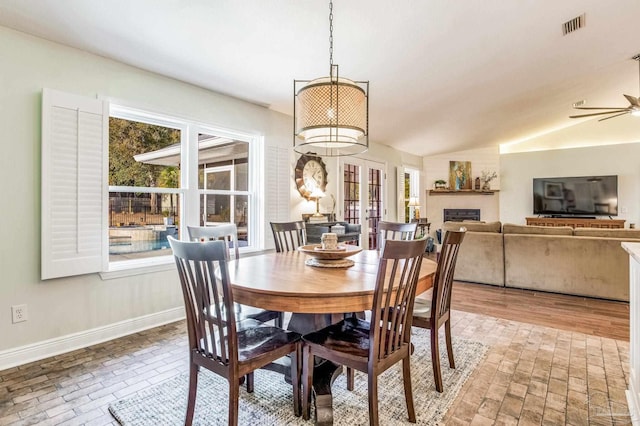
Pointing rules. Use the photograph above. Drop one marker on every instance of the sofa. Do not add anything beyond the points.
(481, 255)
(583, 261)
(315, 230)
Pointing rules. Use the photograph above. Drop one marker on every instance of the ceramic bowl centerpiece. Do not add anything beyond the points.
(329, 254)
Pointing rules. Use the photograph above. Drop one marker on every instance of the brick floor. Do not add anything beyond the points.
(532, 375)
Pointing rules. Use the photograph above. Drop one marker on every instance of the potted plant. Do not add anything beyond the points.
(440, 184)
(167, 219)
(487, 177)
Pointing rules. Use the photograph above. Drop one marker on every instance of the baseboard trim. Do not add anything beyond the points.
(71, 342)
(632, 401)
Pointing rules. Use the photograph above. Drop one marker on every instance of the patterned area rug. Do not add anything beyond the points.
(270, 404)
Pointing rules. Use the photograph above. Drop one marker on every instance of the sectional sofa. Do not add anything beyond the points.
(582, 261)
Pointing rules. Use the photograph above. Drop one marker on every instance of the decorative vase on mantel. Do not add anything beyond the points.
(486, 186)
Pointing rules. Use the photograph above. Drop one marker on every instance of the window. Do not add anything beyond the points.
(150, 183)
(144, 185)
(116, 182)
(223, 181)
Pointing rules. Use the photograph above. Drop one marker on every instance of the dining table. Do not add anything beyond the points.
(315, 296)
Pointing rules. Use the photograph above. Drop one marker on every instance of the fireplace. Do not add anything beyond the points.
(458, 215)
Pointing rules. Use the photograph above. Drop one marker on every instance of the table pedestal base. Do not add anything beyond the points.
(324, 375)
(325, 372)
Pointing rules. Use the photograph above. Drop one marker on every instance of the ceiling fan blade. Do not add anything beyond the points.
(620, 108)
(613, 116)
(632, 100)
(621, 111)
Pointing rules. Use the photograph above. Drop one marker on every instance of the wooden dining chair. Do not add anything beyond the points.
(395, 231)
(373, 347)
(216, 341)
(288, 236)
(437, 312)
(228, 233)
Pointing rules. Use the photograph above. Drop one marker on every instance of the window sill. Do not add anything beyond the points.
(138, 267)
(157, 264)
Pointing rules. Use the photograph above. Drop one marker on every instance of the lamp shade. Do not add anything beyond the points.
(316, 193)
(331, 116)
(414, 202)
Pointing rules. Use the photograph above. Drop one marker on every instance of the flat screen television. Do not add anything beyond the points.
(576, 196)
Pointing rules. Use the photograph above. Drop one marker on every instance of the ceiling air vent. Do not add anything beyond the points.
(573, 24)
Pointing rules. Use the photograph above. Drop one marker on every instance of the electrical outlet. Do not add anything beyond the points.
(18, 313)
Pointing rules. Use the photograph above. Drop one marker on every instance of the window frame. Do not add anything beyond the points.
(189, 191)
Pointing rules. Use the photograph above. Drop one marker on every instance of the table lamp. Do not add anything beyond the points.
(413, 202)
(317, 194)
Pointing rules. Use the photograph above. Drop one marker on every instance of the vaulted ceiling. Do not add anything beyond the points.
(444, 75)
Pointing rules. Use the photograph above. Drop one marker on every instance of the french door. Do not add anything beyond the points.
(363, 191)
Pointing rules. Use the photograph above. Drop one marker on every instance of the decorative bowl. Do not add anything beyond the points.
(322, 258)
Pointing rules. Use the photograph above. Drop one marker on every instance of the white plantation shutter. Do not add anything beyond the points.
(74, 187)
(278, 186)
(400, 194)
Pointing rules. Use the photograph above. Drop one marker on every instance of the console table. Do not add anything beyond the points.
(576, 222)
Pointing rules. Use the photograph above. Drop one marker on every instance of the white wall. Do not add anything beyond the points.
(62, 307)
(65, 313)
(518, 170)
(437, 167)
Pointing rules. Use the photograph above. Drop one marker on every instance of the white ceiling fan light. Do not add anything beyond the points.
(633, 108)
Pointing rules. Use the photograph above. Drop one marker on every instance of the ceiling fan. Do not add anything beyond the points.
(633, 108)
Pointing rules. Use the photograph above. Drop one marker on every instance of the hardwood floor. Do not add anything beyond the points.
(554, 359)
(586, 315)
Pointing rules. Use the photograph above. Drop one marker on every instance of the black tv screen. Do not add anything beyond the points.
(576, 196)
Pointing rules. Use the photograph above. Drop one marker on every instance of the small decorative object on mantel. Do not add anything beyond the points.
(477, 185)
(487, 177)
(440, 184)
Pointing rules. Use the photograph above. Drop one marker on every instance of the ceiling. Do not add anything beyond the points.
(444, 75)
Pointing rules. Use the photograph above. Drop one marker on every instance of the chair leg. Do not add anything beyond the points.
(307, 381)
(250, 382)
(296, 361)
(234, 396)
(408, 392)
(350, 378)
(373, 398)
(447, 333)
(280, 320)
(193, 389)
(435, 359)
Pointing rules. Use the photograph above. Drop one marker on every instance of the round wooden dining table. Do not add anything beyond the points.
(316, 297)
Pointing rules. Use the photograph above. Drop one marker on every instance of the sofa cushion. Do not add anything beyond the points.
(510, 228)
(473, 226)
(583, 266)
(608, 233)
(481, 258)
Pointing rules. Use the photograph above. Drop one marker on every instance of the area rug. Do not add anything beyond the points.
(270, 404)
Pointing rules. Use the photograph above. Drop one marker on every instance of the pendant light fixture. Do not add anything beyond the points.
(331, 114)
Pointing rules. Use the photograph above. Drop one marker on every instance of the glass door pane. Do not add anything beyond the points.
(374, 197)
(363, 201)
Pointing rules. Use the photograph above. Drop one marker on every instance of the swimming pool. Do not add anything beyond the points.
(139, 246)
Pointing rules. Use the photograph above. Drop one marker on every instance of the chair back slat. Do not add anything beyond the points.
(228, 232)
(395, 231)
(204, 278)
(392, 310)
(288, 236)
(443, 279)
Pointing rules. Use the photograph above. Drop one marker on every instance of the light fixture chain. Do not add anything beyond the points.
(330, 33)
